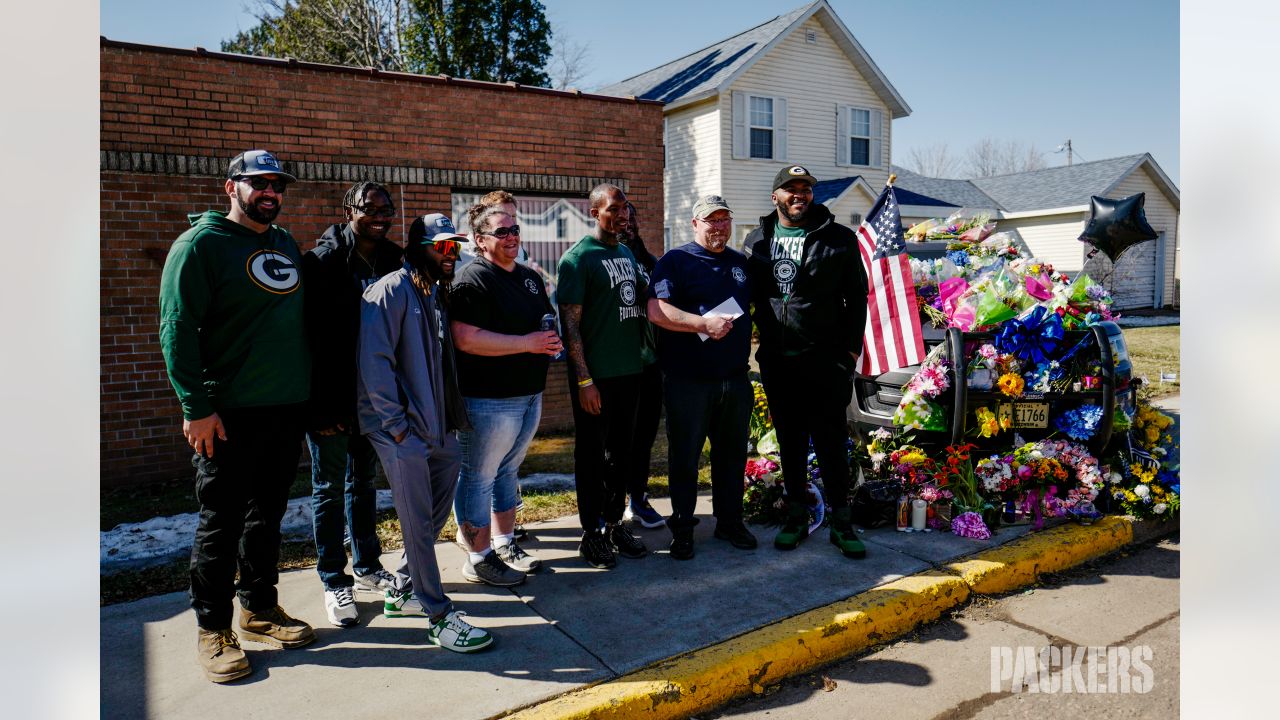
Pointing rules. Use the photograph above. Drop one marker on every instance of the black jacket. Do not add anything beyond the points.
(826, 311)
(334, 277)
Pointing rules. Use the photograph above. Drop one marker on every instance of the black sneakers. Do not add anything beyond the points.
(682, 543)
(624, 543)
(595, 550)
(737, 534)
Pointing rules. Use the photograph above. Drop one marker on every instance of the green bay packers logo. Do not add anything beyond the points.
(273, 271)
(784, 271)
(627, 290)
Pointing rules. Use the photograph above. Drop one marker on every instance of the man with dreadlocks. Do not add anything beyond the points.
(410, 407)
(348, 258)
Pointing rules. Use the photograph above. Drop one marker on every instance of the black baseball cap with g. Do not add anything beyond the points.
(256, 162)
(793, 172)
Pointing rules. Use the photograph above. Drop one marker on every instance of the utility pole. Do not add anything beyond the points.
(1065, 146)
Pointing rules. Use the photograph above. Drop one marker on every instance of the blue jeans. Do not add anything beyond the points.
(492, 451)
(697, 411)
(342, 492)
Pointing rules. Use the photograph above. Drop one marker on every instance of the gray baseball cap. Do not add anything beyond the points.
(433, 227)
(708, 204)
(256, 162)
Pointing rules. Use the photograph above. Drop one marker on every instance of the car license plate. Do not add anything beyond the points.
(1025, 415)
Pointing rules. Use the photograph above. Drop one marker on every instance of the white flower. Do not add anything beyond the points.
(1159, 508)
(1115, 478)
(1142, 491)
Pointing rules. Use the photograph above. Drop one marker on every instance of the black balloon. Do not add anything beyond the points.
(1117, 225)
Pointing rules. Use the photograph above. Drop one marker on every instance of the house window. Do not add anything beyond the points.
(561, 227)
(761, 127)
(811, 37)
(859, 137)
(666, 237)
(855, 220)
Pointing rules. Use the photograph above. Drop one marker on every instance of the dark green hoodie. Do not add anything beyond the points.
(231, 322)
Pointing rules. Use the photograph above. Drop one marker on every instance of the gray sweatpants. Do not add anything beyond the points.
(422, 487)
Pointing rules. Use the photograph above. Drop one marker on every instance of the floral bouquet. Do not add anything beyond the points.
(917, 410)
(761, 422)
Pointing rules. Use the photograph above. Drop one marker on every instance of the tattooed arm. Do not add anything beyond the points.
(589, 396)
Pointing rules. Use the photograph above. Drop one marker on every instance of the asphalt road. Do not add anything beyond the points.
(1128, 603)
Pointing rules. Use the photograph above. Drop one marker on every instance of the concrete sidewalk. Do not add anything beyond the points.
(568, 627)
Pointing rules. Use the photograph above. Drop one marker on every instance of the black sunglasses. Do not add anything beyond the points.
(385, 211)
(261, 183)
(504, 231)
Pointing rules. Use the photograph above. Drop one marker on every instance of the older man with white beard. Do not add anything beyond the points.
(699, 291)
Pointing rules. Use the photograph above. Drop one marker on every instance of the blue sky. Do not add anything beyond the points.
(1102, 73)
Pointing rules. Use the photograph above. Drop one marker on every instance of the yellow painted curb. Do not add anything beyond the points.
(1019, 563)
(709, 677)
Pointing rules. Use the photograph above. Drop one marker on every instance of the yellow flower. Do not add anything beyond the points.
(988, 426)
(1011, 384)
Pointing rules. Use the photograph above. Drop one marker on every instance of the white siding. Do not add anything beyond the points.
(693, 165)
(815, 80)
(1163, 218)
(1053, 239)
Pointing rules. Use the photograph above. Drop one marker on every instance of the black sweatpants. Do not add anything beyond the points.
(604, 448)
(243, 491)
(807, 398)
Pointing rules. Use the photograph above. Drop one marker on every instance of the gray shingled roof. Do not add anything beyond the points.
(1055, 187)
(706, 69)
(961, 193)
(710, 70)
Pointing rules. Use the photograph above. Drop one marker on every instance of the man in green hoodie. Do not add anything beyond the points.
(234, 343)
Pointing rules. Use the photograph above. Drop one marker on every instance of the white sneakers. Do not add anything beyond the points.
(340, 606)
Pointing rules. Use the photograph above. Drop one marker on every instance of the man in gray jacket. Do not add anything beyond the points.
(409, 406)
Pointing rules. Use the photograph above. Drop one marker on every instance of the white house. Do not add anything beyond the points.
(1048, 208)
(798, 89)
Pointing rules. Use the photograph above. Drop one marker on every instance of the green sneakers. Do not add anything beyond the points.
(794, 529)
(844, 536)
(451, 632)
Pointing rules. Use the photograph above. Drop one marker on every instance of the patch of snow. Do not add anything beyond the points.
(132, 546)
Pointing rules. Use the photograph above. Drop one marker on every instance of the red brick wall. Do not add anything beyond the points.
(171, 120)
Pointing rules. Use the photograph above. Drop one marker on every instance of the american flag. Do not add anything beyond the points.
(893, 338)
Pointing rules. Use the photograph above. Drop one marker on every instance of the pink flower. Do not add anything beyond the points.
(970, 525)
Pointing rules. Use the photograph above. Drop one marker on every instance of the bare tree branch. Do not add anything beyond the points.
(569, 62)
(933, 160)
(989, 157)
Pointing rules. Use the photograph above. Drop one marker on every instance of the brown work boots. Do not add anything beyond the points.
(275, 627)
(220, 655)
(219, 651)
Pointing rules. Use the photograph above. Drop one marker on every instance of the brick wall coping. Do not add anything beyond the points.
(371, 71)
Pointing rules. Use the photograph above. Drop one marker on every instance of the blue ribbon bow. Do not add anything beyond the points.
(1033, 338)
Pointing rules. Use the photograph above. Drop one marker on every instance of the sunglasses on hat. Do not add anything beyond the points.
(447, 247)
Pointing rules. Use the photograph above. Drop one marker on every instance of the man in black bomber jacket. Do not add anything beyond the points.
(809, 299)
(348, 258)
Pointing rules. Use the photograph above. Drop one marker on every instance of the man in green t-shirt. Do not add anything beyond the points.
(234, 344)
(601, 293)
